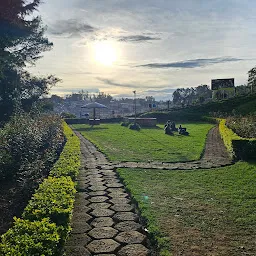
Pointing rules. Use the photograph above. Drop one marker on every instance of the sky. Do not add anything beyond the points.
(151, 46)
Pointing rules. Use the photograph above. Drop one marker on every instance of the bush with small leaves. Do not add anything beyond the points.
(30, 238)
(134, 126)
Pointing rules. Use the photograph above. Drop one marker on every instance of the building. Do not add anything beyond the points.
(223, 88)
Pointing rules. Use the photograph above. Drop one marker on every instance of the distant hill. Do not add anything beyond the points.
(242, 105)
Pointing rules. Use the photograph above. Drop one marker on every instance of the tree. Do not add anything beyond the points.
(21, 42)
(252, 79)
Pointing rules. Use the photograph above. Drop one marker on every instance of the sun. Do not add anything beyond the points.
(105, 53)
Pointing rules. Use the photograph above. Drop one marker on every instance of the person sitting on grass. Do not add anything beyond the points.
(167, 128)
(173, 128)
(183, 130)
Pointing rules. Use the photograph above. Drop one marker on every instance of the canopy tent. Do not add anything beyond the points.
(94, 105)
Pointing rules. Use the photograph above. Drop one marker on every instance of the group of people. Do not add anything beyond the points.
(170, 127)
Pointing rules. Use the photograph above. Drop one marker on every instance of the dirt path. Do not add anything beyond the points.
(215, 155)
(104, 220)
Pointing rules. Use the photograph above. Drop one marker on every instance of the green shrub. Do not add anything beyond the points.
(53, 199)
(30, 145)
(227, 136)
(125, 124)
(245, 149)
(28, 238)
(134, 126)
(52, 203)
(69, 161)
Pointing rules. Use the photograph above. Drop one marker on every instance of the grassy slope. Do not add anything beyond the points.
(199, 212)
(122, 144)
(242, 105)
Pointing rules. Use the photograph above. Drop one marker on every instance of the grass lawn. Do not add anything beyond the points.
(202, 212)
(122, 144)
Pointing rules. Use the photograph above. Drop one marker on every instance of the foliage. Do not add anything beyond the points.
(21, 42)
(188, 96)
(67, 115)
(227, 136)
(53, 199)
(188, 208)
(150, 144)
(125, 124)
(243, 126)
(242, 105)
(134, 126)
(245, 149)
(29, 147)
(69, 160)
(28, 238)
(51, 203)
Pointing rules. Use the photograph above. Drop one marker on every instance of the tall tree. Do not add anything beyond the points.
(21, 42)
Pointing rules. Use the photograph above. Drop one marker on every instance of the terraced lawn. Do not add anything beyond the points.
(149, 144)
(202, 212)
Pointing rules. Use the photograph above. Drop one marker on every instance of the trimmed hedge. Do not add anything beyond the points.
(238, 148)
(69, 161)
(30, 238)
(228, 136)
(46, 219)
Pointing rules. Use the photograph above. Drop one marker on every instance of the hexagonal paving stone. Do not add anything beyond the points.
(123, 216)
(98, 199)
(116, 195)
(81, 216)
(81, 195)
(99, 205)
(105, 254)
(80, 227)
(104, 232)
(102, 212)
(114, 185)
(78, 240)
(81, 208)
(120, 200)
(133, 249)
(82, 187)
(97, 183)
(76, 251)
(98, 193)
(130, 237)
(102, 222)
(97, 188)
(103, 246)
(122, 207)
(128, 226)
(116, 190)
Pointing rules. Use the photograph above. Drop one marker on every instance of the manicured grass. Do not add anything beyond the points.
(202, 212)
(122, 144)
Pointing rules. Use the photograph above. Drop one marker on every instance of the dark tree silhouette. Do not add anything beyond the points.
(21, 42)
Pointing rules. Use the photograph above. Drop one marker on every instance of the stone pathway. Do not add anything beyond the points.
(105, 221)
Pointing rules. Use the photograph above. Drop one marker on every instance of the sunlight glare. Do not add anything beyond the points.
(105, 53)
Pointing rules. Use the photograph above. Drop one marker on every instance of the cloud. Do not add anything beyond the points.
(137, 38)
(70, 28)
(196, 63)
(113, 83)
